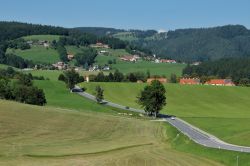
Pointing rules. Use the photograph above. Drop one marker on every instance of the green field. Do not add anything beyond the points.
(155, 69)
(49, 38)
(72, 130)
(32, 135)
(140, 66)
(3, 66)
(37, 54)
(222, 111)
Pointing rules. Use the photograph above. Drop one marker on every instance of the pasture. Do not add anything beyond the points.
(37, 54)
(33, 135)
(49, 38)
(222, 111)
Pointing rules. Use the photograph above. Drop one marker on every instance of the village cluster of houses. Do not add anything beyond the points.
(196, 81)
(130, 58)
(44, 43)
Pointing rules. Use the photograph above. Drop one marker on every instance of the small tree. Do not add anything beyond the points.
(152, 98)
(99, 94)
(61, 77)
(71, 78)
(173, 78)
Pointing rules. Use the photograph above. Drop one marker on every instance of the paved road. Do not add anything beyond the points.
(195, 134)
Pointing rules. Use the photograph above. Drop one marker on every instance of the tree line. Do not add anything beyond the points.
(19, 87)
(236, 68)
(118, 76)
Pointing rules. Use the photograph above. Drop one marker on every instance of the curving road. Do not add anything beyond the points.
(194, 133)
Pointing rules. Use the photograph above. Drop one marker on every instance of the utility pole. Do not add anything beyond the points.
(237, 160)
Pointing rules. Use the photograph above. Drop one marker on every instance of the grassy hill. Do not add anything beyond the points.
(49, 38)
(3, 66)
(37, 54)
(195, 44)
(72, 130)
(142, 66)
(222, 111)
(33, 135)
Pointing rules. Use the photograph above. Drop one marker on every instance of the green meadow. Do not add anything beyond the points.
(49, 38)
(37, 54)
(222, 111)
(162, 69)
(32, 135)
(72, 130)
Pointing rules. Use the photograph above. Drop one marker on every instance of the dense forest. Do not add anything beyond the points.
(13, 30)
(199, 44)
(236, 68)
(187, 45)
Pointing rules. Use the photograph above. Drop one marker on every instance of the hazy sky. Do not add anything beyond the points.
(128, 14)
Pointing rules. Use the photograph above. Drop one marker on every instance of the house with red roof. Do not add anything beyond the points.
(167, 61)
(220, 82)
(189, 81)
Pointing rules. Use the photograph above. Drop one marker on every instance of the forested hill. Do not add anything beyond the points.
(236, 68)
(200, 44)
(13, 30)
(99, 31)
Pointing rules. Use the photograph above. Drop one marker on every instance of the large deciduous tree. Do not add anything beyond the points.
(152, 98)
(86, 57)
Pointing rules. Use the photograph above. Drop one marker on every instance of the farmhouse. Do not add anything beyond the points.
(196, 63)
(189, 81)
(60, 65)
(103, 52)
(106, 68)
(220, 82)
(167, 61)
(162, 80)
(157, 61)
(130, 58)
(99, 45)
(70, 56)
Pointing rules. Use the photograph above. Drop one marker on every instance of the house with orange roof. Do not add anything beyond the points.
(220, 82)
(189, 81)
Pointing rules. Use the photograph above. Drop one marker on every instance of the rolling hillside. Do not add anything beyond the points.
(198, 44)
(33, 135)
(222, 111)
(38, 53)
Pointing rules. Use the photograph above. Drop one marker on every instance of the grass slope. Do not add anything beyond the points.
(3, 66)
(37, 54)
(155, 69)
(142, 66)
(49, 38)
(32, 135)
(222, 111)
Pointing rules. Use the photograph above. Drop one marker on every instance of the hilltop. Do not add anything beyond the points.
(191, 44)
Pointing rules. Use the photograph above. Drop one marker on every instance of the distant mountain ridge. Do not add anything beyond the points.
(188, 45)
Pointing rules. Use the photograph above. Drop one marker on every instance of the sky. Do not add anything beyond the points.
(128, 14)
